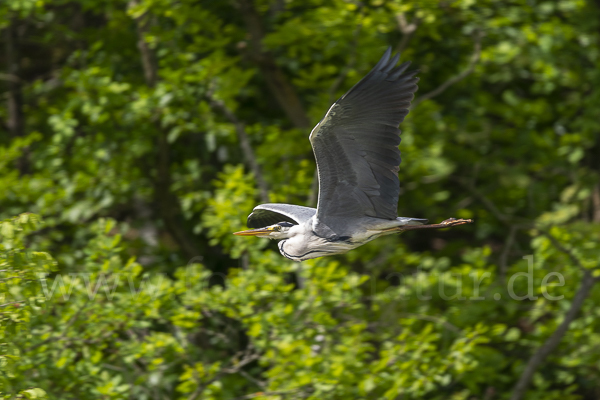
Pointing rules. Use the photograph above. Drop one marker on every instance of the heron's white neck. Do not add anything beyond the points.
(303, 244)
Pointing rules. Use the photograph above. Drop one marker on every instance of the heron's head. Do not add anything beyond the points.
(278, 231)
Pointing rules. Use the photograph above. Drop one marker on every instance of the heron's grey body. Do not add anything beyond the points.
(356, 149)
(301, 242)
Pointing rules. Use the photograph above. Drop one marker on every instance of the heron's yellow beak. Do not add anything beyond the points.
(255, 232)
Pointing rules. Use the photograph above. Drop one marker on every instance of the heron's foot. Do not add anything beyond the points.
(456, 222)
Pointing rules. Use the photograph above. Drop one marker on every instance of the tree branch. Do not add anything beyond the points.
(247, 357)
(432, 318)
(267, 394)
(245, 145)
(486, 202)
(471, 67)
(282, 90)
(563, 249)
(507, 246)
(63, 336)
(596, 204)
(407, 29)
(351, 59)
(250, 378)
(148, 58)
(9, 78)
(15, 122)
(168, 204)
(12, 303)
(587, 282)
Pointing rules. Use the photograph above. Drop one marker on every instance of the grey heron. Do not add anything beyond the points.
(356, 149)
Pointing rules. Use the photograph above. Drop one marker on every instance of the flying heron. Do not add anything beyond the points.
(356, 148)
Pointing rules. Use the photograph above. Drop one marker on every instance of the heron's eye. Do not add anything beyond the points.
(278, 228)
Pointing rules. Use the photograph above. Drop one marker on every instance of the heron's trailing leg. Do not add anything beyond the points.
(450, 222)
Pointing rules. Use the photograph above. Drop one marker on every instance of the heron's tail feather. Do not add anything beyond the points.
(411, 221)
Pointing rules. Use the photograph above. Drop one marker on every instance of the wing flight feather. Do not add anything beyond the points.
(356, 147)
(272, 213)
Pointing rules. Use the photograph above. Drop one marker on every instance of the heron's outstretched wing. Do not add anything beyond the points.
(270, 214)
(356, 146)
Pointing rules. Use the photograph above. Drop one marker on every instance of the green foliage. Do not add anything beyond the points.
(141, 180)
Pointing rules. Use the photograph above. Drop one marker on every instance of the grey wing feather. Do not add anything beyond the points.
(272, 213)
(356, 146)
